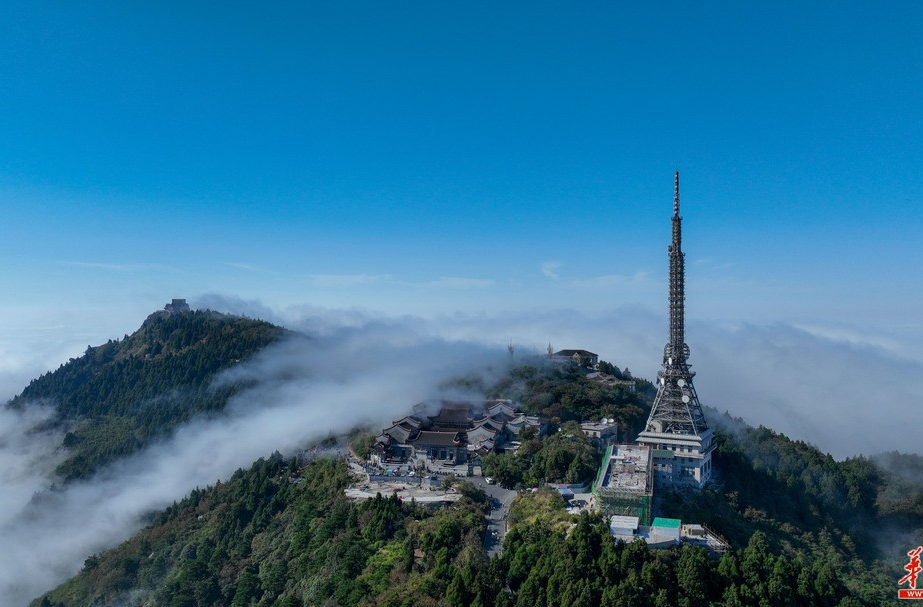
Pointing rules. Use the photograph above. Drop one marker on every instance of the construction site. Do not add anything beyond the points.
(624, 485)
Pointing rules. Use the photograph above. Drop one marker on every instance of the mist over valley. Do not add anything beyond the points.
(337, 370)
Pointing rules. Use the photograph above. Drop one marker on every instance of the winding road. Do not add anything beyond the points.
(496, 524)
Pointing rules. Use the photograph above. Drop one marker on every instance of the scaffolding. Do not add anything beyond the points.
(624, 485)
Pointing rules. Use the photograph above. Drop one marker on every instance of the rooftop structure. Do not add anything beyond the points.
(662, 533)
(623, 527)
(176, 306)
(399, 433)
(453, 415)
(459, 432)
(439, 439)
(666, 532)
(676, 428)
(581, 358)
(442, 445)
(624, 484)
(600, 433)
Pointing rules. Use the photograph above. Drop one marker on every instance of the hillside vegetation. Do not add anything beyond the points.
(115, 398)
(856, 518)
(563, 395)
(805, 530)
(279, 536)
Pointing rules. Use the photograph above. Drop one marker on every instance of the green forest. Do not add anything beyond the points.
(847, 516)
(281, 535)
(804, 528)
(563, 395)
(119, 396)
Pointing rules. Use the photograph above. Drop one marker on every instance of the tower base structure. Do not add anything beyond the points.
(680, 460)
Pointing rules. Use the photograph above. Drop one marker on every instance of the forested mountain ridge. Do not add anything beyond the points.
(805, 529)
(852, 517)
(116, 397)
(279, 535)
(839, 516)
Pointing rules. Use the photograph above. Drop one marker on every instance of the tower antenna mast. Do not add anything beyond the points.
(676, 421)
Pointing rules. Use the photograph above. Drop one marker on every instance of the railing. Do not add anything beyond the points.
(724, 543)
(408, 480)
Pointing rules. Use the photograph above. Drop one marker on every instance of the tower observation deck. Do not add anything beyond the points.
(676, 429)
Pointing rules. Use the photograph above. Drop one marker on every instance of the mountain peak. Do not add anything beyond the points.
(176, 306)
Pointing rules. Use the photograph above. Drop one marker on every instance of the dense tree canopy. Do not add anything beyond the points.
(279, 535)
(804, 528)
(118, 396)
(562, 393)
(566, 456)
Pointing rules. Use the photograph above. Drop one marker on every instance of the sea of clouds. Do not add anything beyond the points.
(305, 389)
(849, 391)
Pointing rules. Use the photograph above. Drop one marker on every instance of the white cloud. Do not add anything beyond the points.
(846, 389)
(845, 397)
(231, 304)
(348, 280)
(24, 357)
(607, 281)
(128, 268)
(550, 269)
(306, 388)
(458, 282)
(249, 267)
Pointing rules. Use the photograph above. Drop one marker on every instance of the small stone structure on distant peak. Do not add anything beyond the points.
(177, 306)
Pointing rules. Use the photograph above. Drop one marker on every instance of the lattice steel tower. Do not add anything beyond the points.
(676, 428)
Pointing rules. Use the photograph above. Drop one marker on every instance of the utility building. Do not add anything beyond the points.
(679, 437)
(624, 486)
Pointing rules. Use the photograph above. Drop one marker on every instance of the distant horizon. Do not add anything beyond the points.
(485, 173)
(726, 357)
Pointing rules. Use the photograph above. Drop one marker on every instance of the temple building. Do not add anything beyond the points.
(459, 432)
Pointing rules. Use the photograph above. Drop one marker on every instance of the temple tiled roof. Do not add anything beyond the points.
(437, 439)
(481, 434)
(409, 421)
(399, 433)
(487, 422)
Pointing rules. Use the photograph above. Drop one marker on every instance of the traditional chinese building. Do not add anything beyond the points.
(459, 432)
(581, 358)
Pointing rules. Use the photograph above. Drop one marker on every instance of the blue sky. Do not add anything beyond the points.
(420, 183)
(440, 159)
